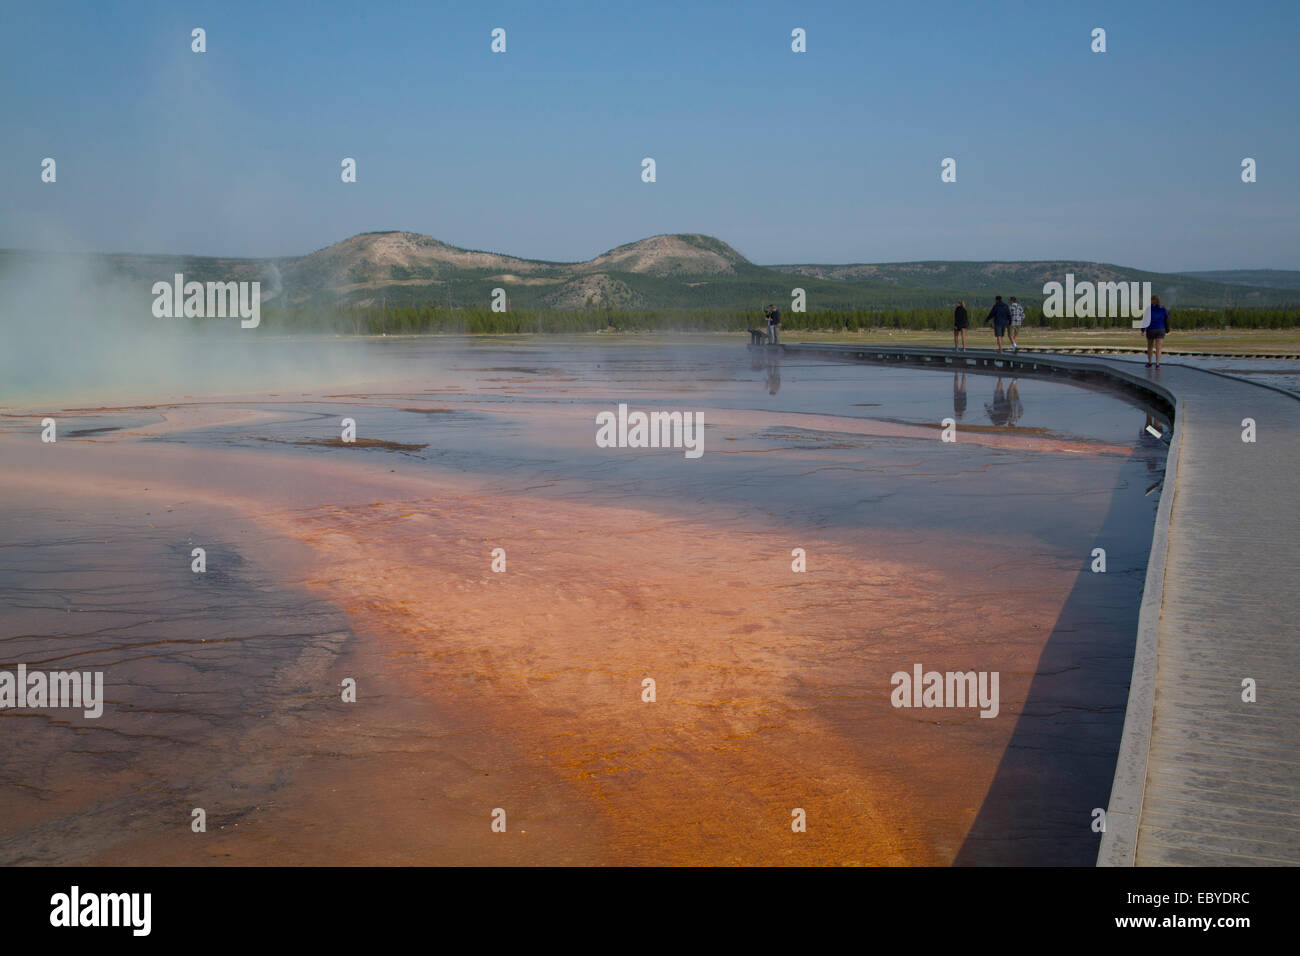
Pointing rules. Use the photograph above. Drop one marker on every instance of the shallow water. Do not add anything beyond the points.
(523, 689)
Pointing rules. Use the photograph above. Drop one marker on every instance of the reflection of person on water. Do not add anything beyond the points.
(773, 376)
(1000, 410)
(958, 395)
(1013, 397)
(1153, 435)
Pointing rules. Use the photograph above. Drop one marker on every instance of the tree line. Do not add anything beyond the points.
(408, 320)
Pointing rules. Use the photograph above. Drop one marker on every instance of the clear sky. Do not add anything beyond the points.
(1132, 156)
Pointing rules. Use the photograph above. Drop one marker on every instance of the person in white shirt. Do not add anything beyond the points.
(1017, 320)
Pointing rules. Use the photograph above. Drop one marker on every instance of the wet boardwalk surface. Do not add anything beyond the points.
(1208, 772)
(1223, 775)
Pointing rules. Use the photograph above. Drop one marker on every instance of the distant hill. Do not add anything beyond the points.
(678, 271)
(679, 255)
(403, 268)
(1026, 280)
(1264, 278)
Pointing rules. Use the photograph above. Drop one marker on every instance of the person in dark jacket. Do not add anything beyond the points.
(773, 324)
(1001, 316)
(960, 323)
(1156, 328)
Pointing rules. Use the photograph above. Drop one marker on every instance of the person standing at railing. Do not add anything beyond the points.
(773, 324)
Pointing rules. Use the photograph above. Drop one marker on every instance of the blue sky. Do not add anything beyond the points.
(1132, 156)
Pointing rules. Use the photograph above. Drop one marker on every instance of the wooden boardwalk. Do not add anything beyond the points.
(1204, 778)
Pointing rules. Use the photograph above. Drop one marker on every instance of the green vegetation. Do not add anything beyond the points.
(411, 319)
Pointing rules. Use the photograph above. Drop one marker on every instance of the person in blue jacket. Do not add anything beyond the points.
(1156, 329)
(1001, 316)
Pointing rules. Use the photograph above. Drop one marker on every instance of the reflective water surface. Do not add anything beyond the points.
(524, 689)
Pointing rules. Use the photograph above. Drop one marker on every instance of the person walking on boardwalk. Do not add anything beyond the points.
(1001, 317)
(1017, 320)
(1157, 326)
(773, 324)
(960, 323)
